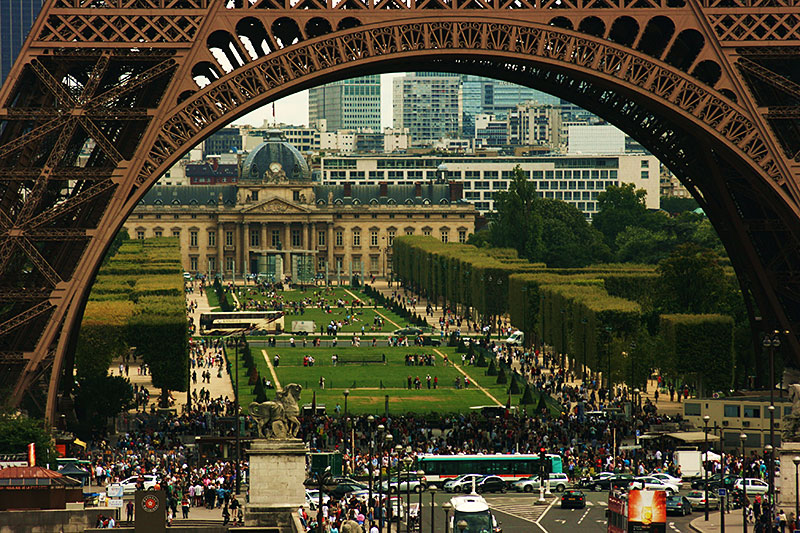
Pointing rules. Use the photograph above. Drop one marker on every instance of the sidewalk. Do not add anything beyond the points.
(733, 522)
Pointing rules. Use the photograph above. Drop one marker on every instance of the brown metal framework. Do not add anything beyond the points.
(711, 87)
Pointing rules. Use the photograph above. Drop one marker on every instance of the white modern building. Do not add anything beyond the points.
(576, 179)
(349, 104)
(595, 139)
(427, 105)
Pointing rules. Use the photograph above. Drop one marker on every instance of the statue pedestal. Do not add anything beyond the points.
(277, 472)
(786, 497)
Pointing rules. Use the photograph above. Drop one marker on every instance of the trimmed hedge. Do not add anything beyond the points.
(693, 344)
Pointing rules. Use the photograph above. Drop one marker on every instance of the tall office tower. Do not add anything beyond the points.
(16, 19)
(347, 105)
(477, 96)
(428, 105)
(507, 96)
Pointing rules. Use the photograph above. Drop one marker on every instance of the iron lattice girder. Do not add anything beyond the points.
(142, 122)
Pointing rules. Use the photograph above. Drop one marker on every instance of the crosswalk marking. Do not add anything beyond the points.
(522, 508)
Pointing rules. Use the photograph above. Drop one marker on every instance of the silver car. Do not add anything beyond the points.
(462, 483)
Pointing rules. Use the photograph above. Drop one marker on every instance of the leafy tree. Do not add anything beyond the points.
(492, 371)
(516, 222)
(514, 388)
(502, 379)
(259, 391)
(527, 396)
(16, 432)
(618, 208)
(116, 393)
(481, 239)
(691, 280)
(640, 245)
(568, 239)
(672, 204)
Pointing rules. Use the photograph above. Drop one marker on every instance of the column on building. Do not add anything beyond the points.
(220, 247)
(304, 243)
(264, 245)
(245, 249)
(287, 246)
(329, 245)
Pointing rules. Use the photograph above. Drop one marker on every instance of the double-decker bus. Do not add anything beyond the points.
(510, 467)
(637, 511)
(240, 320)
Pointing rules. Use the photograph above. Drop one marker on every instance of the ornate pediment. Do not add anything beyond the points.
(275, 205)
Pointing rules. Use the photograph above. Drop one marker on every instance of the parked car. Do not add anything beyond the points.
(679, 505)
(715, 481)
(343, 488)
(129, 485)
(672, 480)
(558, 483)
(653, 483)
(617, 481)
(462, 483)
(409, 331)
(312, 498)
(491, 484)
(698, 500)
(414, 484)
(574, 499)
(751, 486)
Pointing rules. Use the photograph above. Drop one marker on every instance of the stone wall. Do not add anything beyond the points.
(50, 520)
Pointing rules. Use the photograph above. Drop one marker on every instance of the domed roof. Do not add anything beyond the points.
(275, 160)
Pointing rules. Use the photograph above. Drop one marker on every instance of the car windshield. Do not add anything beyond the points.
(674, 499)
(695, 494)
(480, 522)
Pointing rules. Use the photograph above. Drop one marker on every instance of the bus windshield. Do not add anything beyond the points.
(477, 522)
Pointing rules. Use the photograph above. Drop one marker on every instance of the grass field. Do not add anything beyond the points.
(362, 317)
(370, 383)
(315, 293)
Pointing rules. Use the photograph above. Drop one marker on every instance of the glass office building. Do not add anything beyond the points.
(16, 19)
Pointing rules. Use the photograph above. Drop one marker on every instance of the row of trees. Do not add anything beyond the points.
(137, 301)
(622, 316)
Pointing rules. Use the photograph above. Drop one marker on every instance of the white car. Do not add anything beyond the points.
(754, 486)
(312, 498)
(462, 483)
(672, 480)
(129, 485)
(415, 484)
(698, 500)
(558, 483)
(653, 483)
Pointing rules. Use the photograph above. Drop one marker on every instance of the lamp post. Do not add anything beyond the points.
(371, 422)
(768, 451)
(583, 374)
(462, 525)
(796, 461)
(446, 506)
(772, 341)
(238, 425)
(322, 479)
(346, 394)
(432, 489)
(743, 438)
(706, 418)
(407, 461)
(385, 508)
(398, 449)
(420, 473)
(637, 398)
(633, 364)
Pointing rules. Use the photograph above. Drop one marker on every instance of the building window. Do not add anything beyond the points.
(391, 237)
(158, 217)
(255, 237)
(356, 237)
(409, 231)
(731, 411)
(356, 264)
(339, 236)
(645, 163)
(296, 238)
(321, 238)
(229, 263)
(321, 264)
(339, 264)
(254, 195)
(193, 242)
(176, 233)
(373, 237)
(445, 235)
(212, 238)
(462, 236)
(229, 238)
(212, 264)
(276, 238)
(193, 264)
(296, 196)
(373, 263)
(426, 232)
(140, 234)
(645, 174)
(751, 411)
(691, 409)
(158, 233)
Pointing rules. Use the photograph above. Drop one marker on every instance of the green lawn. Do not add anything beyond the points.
(370, 383)
(315, 293)
(362, 317)
(213, 301)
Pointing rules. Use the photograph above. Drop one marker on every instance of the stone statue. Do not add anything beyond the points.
(351, 526)
(278, 419)
(791, 422)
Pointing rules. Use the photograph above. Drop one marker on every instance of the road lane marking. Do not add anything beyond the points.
(584, 516)
(539, 520)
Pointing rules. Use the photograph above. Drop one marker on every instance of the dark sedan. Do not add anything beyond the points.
(491, 484)
(573, 499)
(618, 481)
(678, 505)
(343, 488)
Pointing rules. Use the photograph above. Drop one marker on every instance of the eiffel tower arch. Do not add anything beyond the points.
(712, 87)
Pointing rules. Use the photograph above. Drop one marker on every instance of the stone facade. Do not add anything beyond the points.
(277, 472)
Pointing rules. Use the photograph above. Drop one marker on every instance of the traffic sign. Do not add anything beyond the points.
(722, 492)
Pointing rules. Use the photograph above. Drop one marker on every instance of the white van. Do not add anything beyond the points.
(516, 339)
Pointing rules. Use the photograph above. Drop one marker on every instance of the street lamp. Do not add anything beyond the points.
(706, 418)
(370, 422)
(743, 438)
(768, 450)
(398, 449)
(462, 525)
(420, 474)
(432, 489)
(346, 394)
(406, 461)
(772, 341)
(238, 425)
(796, 461)
(446, 507)
(385, 509)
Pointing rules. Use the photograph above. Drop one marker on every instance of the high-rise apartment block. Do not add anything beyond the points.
(428, 105)
(16, 20)
(346, 105)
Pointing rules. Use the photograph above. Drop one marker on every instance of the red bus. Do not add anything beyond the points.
(637, 511)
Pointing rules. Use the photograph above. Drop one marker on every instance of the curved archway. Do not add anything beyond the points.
(691, 121)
